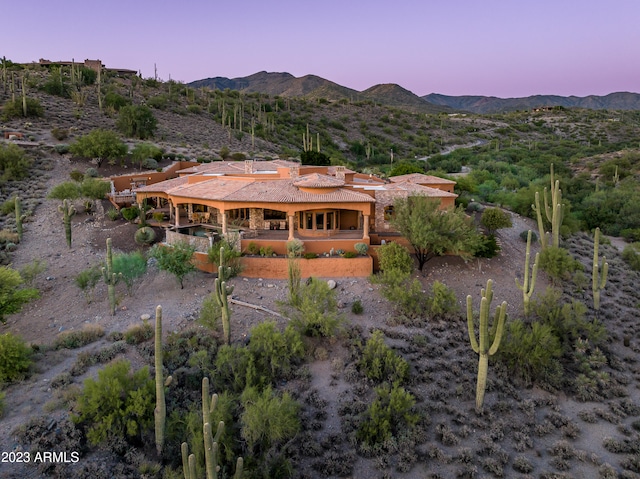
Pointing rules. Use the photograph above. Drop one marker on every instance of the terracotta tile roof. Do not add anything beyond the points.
(234, 167)
(316, 180)
(418, 189)
(220, 188)
(420, 178)
(163, 186)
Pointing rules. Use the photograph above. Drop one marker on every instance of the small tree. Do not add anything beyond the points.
(136, 121)
(494, 219)
(12, 295)
(129, 266)
(433, 232)
(143, 151)
(100, 145)
(177, 259)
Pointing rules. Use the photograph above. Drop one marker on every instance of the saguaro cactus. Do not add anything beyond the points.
(160, 412)
(528, 284)
(598, 272)
(553, 212)
(221, 291)
(110, 278)
(482, 347)
(19, 217)
(68, 210)
(211, 448)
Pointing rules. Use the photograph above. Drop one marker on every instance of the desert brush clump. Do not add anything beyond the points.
(76, 339)
(380, 363)
(15, 358)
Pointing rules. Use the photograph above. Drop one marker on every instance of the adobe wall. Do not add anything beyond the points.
(276, 268)
(123, 182)
(314, 246)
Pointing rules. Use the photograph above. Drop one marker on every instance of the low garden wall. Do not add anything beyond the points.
(332, 267)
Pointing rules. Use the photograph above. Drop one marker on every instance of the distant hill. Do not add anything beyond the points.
(390, 94)
(313, 87)
(492, 104)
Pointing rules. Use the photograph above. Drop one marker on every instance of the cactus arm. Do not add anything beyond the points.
(192, 466)
(501, 314)
(160, 412)
(472, 333)
(239, 468)
(541, 232)
(184, 449)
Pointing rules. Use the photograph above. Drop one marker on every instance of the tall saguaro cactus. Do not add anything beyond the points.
(19, 217)
(528, 284)
(553, 211)
(160, 412)
(481, 346)
(68, 210)
(110, 278)
(211, 445)
(221, 291)
(598, 272)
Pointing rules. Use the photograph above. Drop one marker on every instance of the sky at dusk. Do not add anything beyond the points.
(504, 48)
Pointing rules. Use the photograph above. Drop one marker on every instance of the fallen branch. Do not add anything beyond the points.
(258, 307)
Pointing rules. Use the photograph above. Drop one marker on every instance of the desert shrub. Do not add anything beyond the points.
(91, 173)
(130, 213)
(308, 255)
(487, 247)
(12, 293)
(275, 353)
(210, 312)
(389, 414)
(61, 149)
(115, 101)
(60, 133)
(76, 175)
(144, 235)
(631, 234)
(524, 235)
(356, 307)
(69, 190)
(76, 339)
(380, 363)
(532, 352)
(361, 248)
(253, 248)
(13, 109)
(631, 255)
(94, 188)
(149, 164)
(138, 333)
(9, 206)
(394, 256)
(231, 258)
(136, 121)
(557, 263)
(2, 396)
(232, 367)
(316, 313)
(87, 280)
(15, 358)
(129, 266)
(30, 271)
(266, 251)
(175, 259)
(494, 219)
(118, 404)
(99, 144)
(405, 293)
(268, 418)
(350, 254)
(295, 247)
(113, 214)
(441, 301)
(14, 163)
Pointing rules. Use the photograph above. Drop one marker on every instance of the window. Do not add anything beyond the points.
(330, 225)
(388, 212)
(319, 221)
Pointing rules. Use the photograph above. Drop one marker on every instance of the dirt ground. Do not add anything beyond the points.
(63, 307)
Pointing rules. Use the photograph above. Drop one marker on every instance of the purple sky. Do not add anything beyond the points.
(504, 48)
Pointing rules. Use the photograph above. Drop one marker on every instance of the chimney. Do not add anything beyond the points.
(294, 171)
(248, 166)
(340, 172)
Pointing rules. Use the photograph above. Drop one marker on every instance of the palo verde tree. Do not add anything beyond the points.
(432, 231)
(177, 259)
(99, 145)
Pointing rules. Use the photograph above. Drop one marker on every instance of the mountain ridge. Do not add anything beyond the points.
(315, 87)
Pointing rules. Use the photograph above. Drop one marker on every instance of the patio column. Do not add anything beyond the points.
(291, 225)
(177, 213)
(224, 222)
(365, 228)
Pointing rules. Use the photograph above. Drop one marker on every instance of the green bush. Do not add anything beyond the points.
(295, 247)
(390, 414)
(275, 353)
(14, 163)
(99, 144)
(149, 164)
(94, 188)
(316, 312)
(138, 333)
(268, 418)
(210, 312)
(309, 255)
(13, 109)
(350, 254)
(113, 214)
(136, 121)
(532, 352)
(494, 219)
(91, 173)
(129, 266)
(442, 302)
(175, 259)
(231, 257)
(30, 271)
(67, 190)
(2, 396)
(87, 280)
(394, 256)
(631, 255)
(380, 363)
(60, 133)
(266, 251)
(115, 101)
(76, 339)
(558, 263)
(361, 248)
(233, 371)
(356, 307)
(405, 293)
(76, 175)
(130, 213)
(253, 248)
(12, 293)
(487, 247)
(118, 404)
(15, 358)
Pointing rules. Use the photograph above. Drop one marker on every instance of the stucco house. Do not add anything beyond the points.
(267, 203)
